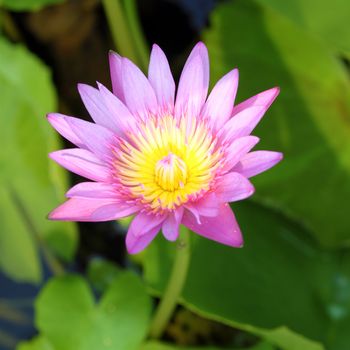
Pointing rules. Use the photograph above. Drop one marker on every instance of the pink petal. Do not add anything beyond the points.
(139, 94)
(238, 149)
(221, 99)
(161, 79)
(93, 190)
(114, 211)
(97, 138)
(171, 224)
(264, 99)
(83, 163)
(223, 228)
(115, 64)
(257, 162)
(59, 123)
(104, 107)
(194, 82)
(206, 206)
(201, 50)
(142, 230)
(135, 244)
(234, 187)
(92, 209)
(242, 124)
(119, 112)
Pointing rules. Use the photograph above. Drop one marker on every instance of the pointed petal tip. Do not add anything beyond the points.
(254, 140)
(277, 89)
(235, 72)
(200, 45)
(50, 116)
(113, 54)
(156, 47)
(272, 94)
(83, 87)
(53, 155)
(54, 215)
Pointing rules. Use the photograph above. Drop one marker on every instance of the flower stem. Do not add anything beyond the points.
(141, 46)
(175, 286)
(119, 29)
(124, 24)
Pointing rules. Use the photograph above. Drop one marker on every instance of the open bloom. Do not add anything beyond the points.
(168, 160)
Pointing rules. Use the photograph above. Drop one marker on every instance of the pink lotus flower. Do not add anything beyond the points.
(168, 160)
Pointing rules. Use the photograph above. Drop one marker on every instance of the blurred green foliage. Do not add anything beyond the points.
(160, 346)
(27, 5)
(67, 316)
(30, 184)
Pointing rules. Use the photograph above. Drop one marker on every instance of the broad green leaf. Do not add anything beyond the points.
(38, 343)
(27, 5)
(309, 121)
(279, 279)
(102, 273)
(66, 314)
(315, 16)
(162, 346)
(30, 184)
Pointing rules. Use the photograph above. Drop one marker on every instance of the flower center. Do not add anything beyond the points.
(166, 162)
(171, 172)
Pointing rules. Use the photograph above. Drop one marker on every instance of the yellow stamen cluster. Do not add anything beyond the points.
(166, 162)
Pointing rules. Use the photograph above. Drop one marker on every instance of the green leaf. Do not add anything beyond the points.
(161, 346)
(314, 16)
(309, 121)
(67, 315)
(27, 5)
(38, 343)
(279, 279)
(30, 184)
(102, 273)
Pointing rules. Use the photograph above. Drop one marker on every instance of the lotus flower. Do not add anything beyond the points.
(168, 160)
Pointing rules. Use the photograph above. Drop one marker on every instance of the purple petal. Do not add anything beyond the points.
(242, 124)
(135, 244)
(201, 50)
(222, 228)
(257, 162)
(171, 224)
(206, 206)
(59, 123)
(104, 107)
(114, 211)
(93, 190)
(194, 82)
(97, 138)
(161, 79)
(92, 209)
(118, 111)
(264, 99)
(115, 64)
(221, 99)
(139, 95)
(83, 163)
(142, 230)
(238, 149)
(234, 187)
